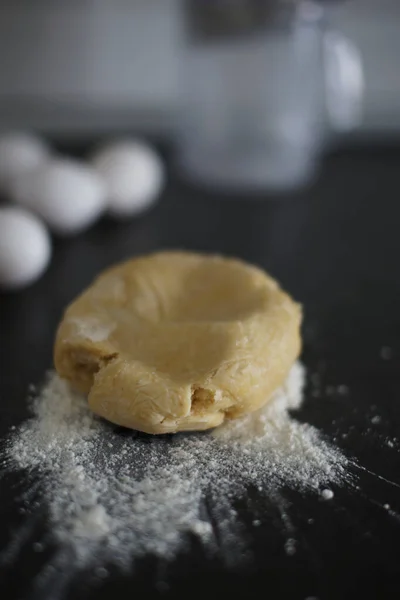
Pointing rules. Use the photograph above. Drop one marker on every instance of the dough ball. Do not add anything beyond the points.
(133, 174)
(69, 195)
(25, 247)
(19, 153)
(178, 341)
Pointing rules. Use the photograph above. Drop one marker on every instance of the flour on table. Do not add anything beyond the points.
(119, 495)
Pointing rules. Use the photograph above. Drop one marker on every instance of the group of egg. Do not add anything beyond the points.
(67, 196)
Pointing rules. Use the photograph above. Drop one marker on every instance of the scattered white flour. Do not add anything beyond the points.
(327, 494)
(118, 495)
(318, 390)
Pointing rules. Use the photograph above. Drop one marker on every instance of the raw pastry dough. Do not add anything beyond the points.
(178, 341)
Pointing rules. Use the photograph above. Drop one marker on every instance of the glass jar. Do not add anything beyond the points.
(264, 84)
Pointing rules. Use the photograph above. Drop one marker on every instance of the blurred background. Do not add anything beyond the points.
(89, 65)
(240, 96)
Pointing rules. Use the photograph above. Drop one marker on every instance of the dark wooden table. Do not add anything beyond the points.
(336, 247)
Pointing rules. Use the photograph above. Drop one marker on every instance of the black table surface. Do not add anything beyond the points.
(336, 248)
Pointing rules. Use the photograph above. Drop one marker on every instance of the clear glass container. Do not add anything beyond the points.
(264, 84)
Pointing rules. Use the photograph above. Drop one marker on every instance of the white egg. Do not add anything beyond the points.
(19, 153)
(25, 247)
(69, 195)
(134, 176)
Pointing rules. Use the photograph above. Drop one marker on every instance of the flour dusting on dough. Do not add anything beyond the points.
(92, 329)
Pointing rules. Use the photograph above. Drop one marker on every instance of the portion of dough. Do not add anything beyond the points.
(178, 341)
